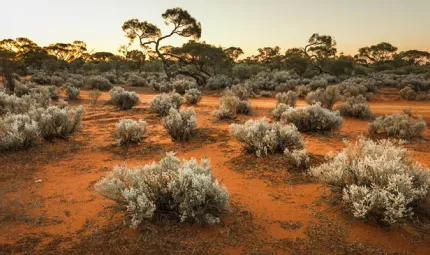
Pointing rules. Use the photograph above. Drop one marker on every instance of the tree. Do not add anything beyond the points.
(68, 52)
(137, 57)
(319, 49)
(148, 34)
(295, 59)
(7, 68)
(377, 54)
(415, 57)
(270, 57)
(26, 51)
(198, 60)
(234, 53)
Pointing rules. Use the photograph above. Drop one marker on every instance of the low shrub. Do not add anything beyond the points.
(185, 190)
(288, 98)
(356, 107)
(17, 131)
(327, 98)
(297, 158)
(244, 107)
(72, 92)
(77, 82)
(94, 96)
(122, 99)
(219, 81)
(99, 82)
(129, 131)
(376, 180)
(193, 96)
(181, 125)
(55, 122)
(407, 93)
(258, 136)
(41, 78)
(242, 91)
(303, 90)
(227, 107)
(57, 81)
(136, 80)
(318, 83)
(182, 85)
(162, 103)
(266, 94)
(279, 110)
(161, 86)
(398, 126)
(313, 118)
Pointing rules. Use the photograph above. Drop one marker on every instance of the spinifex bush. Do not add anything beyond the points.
(193, 96)
(227, 107)
(259, 136)
(17, 131)
(376, 179)
(313, 118)
(355, 107)
(181, 125)
(398, 126)
(185, 190)
(327, 98)
(55, 122)
(162, 103)
(72, 92)
(129, 131)
(122, 99)
(289, 98)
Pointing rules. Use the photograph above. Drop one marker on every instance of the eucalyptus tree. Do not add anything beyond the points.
(319, 49)
(377, 54)
(148, 34)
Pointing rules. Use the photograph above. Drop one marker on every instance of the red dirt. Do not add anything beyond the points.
(273, 211)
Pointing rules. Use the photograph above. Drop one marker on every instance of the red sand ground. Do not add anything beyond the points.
(273, 211)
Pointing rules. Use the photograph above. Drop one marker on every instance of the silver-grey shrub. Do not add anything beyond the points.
(219, 81)
(181, 125)
(326, 97)
(193, 96)
(289, 98)
(129, 131)
(408, 93)
(122, 99)
(17, 131)
(185, 190)
(244, 107)
(55, 122)
(72, 92)
(376, 180)
(356, 107)
(279, 110)
(136, 80)
(398, 126)
(261, 137)
(313, 118)
(162, 103)
(227, 107)
(99, 82)
(182, 85)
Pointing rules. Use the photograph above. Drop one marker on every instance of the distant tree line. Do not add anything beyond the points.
(201, 60)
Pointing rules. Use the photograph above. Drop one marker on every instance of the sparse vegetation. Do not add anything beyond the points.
(162, 103)
(129, 131)
(185, 190)
(181, 125)
(122, 99)
(397, 125)
(376, 180)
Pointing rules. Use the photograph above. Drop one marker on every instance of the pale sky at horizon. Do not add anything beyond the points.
(248, 24)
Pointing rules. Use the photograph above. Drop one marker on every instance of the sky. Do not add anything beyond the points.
(249, 24)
